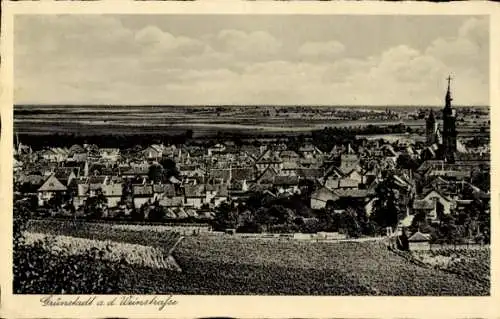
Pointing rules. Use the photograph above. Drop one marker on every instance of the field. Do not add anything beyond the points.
(230, 265)
(203, 121)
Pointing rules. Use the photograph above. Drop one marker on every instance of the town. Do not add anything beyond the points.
(433, 190)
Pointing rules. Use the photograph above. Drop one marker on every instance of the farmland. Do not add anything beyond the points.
(208, 120)
(229, 265)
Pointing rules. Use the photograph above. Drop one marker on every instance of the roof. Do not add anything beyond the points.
(354, 193)
(286, 180)
(324, 194)
(419, 237)
(52, 184)
(423, 204)
(76, 148)
(267, 176)
(348, 182)
(289, 154)
(32, 179)
(112, 190)
(181, 213)
(97, 179)
(306, 148)
(163, 188)
(290, 165)
(174, 201)
(194, 191)
(142, 190)
(312, 173)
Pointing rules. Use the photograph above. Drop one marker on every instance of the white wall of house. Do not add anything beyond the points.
(139, 201)
(113, 201)
(195, 202)
(317, 204)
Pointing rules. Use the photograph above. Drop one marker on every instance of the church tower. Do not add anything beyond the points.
(431, 129)
(449, 128)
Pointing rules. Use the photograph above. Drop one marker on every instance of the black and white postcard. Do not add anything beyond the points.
(256, 160)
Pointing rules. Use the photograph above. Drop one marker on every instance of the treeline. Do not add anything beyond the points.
(324, 139)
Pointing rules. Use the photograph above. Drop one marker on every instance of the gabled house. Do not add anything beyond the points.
(434, 204)
(153, 152)
(50, 188)
(267, 176)
(321, 197)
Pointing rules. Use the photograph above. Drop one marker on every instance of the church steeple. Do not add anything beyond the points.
(449, 127)
(430, 128)
(448, 97)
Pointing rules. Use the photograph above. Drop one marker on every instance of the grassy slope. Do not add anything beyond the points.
(244, 266)
(230, 265)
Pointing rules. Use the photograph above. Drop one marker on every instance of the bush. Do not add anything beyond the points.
(37, 270)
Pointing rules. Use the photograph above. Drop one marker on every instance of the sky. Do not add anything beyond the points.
(250, 59)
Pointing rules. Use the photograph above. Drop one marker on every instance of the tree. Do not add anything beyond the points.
(448, 230)
(157, 213)
(386, 205)
(155, 173)
(349, 223)
(94, 206)
(225, 217)
(169, 168)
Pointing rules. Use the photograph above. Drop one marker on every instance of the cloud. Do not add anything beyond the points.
(327, 49)
(97, 59)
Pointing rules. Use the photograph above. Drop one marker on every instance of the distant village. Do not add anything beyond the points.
(185, 183)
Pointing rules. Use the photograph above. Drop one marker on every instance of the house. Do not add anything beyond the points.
(419, 241)
(194, 195)
(110, 154)
(55, 154)
(321, 197)
(267, 177)
(142, 194)
(50, 188)
(29, 184)
(81, 192)
(96, 183)
(273, 162)
(348, 163)
(65, 175)
(289, 155)
(191, 170)
(153, 152)
(289, 168)
(311, 174)
(113, 193)
(433, 205)
(348, 183)
(288, 184)
(218, 148)
(171, 197)
(309, 151)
